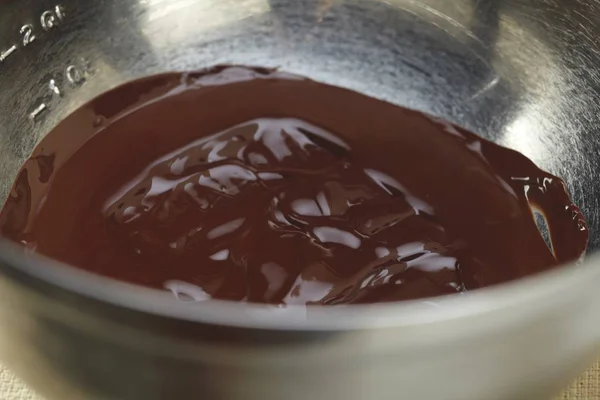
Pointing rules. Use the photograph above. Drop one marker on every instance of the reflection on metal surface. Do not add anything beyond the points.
(517, 136)
(535, 129)
(176, 23)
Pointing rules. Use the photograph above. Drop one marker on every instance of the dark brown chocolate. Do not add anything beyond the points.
(253, 185)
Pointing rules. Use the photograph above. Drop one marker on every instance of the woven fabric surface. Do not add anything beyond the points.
(587, 387)
(12, 388)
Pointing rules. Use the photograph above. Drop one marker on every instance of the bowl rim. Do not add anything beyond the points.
(513, 301)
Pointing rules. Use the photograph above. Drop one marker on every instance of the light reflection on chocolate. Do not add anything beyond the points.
(253, 185)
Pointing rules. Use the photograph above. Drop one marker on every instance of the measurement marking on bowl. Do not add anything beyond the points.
(38, 111)
(52, 18)
(73, 76)
(54, 88)
(7, 53)
(28, 36)
(48, 20)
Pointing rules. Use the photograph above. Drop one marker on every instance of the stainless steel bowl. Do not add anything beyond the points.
(525, 73)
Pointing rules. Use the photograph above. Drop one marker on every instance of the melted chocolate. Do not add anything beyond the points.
(253, 185)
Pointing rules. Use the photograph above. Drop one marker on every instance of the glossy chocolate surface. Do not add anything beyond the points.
(253, 185)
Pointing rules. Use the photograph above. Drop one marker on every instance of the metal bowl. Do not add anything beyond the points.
(524, 73)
